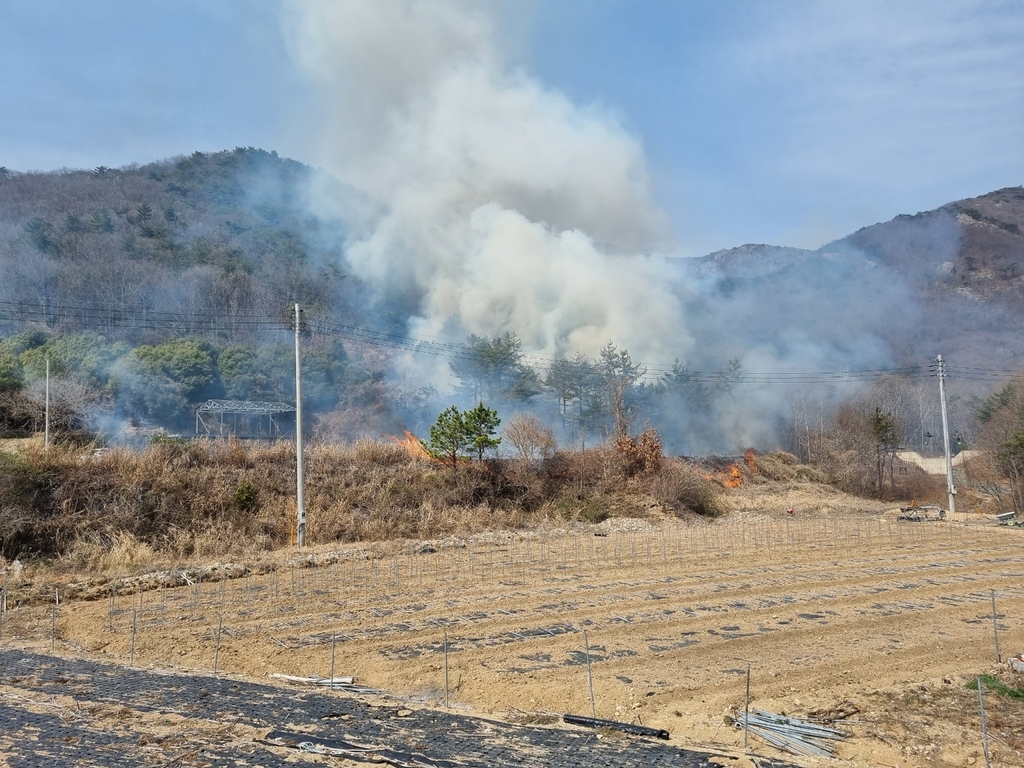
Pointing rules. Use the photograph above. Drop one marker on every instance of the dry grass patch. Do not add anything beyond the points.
(184, 499)
(901, 718)
(179, 501)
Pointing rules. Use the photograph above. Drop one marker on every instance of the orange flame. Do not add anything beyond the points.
(751, 461)
(730, 478)
(734, 478)
(413, 445)
(418, 450)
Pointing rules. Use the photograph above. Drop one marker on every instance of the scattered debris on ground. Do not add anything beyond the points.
(635, 730)
(361, 753)
(922, 513)
(334, 683)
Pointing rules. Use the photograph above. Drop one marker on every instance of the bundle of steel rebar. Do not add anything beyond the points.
(798, 737)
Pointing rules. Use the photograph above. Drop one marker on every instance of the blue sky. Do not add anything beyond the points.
(781, 122)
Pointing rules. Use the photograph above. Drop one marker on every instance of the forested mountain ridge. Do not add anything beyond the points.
(947, 281)
(228, 231)
(152, 288)
(975, 245)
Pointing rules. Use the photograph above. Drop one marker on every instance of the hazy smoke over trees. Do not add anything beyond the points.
(508, 208)
(469, 211)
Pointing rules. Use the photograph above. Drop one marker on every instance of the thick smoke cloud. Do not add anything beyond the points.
(507, 207)
(504, 207)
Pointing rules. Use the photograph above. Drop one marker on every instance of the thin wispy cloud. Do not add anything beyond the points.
(787, 122)
(910, 104)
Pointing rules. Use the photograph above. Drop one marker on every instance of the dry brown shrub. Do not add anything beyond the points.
(20, 414)
(594, 470)
(919, 487)
(124, 554)
(533, 484)
(338, 523)
(237, 453)
(785, 467)
(223, 539)
(179, 500)
(682, 488)
(639, 455)
(578, 484)
(984, 488)
(145, 495)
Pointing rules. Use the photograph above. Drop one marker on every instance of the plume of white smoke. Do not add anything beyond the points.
(506, 206)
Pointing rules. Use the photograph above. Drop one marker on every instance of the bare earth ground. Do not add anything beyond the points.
(858, 611)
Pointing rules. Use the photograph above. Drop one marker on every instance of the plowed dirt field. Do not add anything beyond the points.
(883, 621)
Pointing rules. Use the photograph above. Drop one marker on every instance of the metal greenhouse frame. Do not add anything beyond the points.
(241, 418)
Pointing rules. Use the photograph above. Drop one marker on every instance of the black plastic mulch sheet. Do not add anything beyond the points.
(58, 711)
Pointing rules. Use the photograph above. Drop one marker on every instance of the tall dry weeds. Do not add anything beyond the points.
(202, 498)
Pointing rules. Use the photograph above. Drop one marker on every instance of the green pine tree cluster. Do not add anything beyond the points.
(457, 433)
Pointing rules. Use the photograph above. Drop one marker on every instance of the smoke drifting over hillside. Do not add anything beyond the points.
(461, 196)
(508, 208)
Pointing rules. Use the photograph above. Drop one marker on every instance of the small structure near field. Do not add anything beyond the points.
(240, 418)
(921, 512)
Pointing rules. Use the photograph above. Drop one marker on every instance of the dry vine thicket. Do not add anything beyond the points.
(210, 499)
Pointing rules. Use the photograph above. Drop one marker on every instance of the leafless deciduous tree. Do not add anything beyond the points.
(529, 437)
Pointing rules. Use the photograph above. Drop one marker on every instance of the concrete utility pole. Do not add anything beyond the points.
(300, 501)
(46, 418)
(940, 367)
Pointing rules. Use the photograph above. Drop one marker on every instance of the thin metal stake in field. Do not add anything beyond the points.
(984, 727)
(446, 670)
(995, 628)
(334, 639)
(746, 711)
(131, 655)
(216, 653)
(590, 676)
